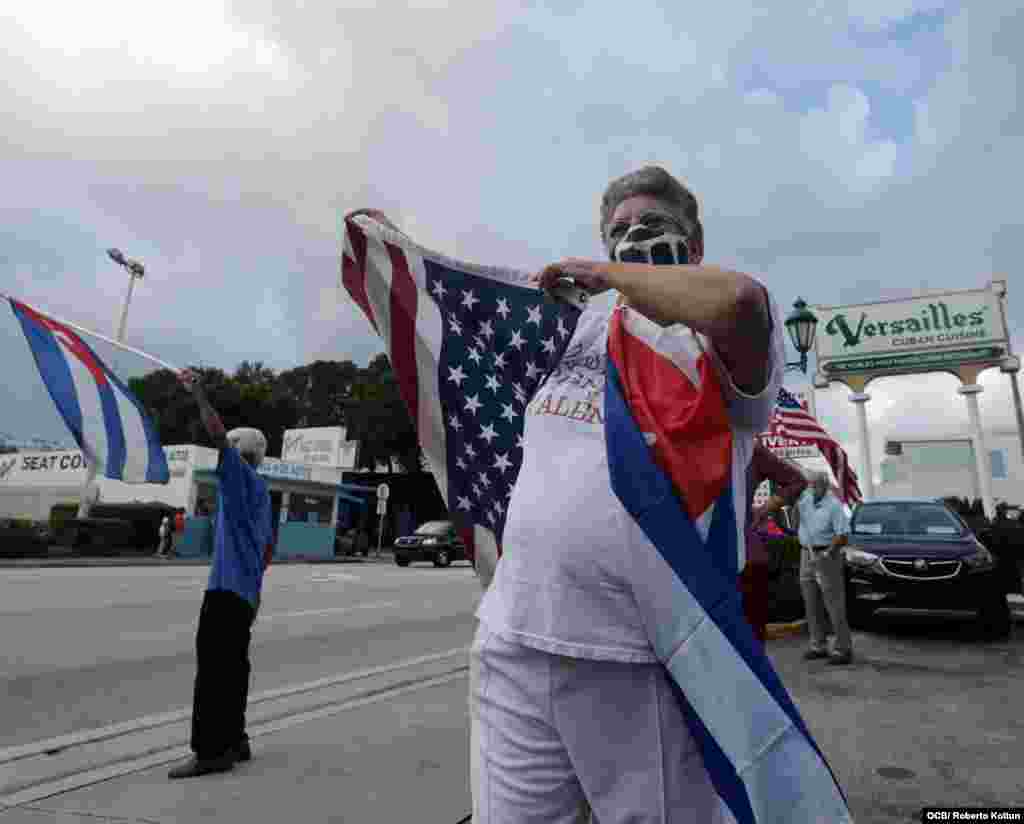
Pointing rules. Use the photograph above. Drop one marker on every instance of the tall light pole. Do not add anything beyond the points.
(135, 270)
(90, 492)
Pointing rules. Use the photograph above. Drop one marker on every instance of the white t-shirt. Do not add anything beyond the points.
(562, 584)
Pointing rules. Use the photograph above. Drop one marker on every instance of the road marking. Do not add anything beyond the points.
(335, 576)
(331, 611)
(75, 739)
(107, 772)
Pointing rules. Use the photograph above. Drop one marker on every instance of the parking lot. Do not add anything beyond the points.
(925, 716)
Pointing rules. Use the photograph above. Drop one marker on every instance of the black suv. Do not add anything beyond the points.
(918, 554)
(436, 541)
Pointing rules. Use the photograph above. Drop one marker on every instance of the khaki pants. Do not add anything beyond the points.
(823, 588)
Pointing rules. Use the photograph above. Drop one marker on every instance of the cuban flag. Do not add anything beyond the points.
(470, 345)
(106, 420)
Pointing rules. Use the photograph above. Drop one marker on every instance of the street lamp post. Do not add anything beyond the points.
(135, 270)
(90, 492)
(801, 326)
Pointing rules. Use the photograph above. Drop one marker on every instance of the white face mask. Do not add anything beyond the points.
(642, 244)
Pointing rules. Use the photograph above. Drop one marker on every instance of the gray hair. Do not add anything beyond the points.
(656, 182)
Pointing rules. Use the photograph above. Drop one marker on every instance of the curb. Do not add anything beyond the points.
(47, 563)
(776, 632)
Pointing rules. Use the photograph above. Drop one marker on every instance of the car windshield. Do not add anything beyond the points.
(434, 528)
(918, 519)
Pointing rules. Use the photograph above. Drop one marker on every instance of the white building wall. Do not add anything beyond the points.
(945, 466)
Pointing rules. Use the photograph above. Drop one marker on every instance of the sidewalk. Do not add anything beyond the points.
(922, 718)
(401, 760)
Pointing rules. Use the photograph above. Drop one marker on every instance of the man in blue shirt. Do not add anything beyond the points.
(243, 544)
(824, 530)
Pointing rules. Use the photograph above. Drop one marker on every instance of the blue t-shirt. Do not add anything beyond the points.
(243, 528)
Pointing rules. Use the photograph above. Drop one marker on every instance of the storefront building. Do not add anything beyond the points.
(305, 497)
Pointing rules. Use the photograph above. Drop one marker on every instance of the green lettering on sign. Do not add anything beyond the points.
(879, 363)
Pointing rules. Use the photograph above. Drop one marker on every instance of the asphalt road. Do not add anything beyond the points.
(87, 647)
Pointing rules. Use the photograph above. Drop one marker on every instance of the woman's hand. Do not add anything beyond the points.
(592, 276)
(374, 214)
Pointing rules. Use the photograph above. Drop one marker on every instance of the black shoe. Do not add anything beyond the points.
(815, 654)
(243, 752)
(840, 658)
(197, 766)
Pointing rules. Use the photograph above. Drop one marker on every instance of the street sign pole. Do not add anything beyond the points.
(382, 506)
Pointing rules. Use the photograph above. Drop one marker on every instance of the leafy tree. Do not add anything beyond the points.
(251, 397)
(324, 393)
(380, 420)
(321, 390)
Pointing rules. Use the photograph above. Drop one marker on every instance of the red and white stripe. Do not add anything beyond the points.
(802, 427)
(384, 273)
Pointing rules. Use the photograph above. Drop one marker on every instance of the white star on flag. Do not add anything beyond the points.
(456, 327)
(474, 356)
(439, 290)
(509, 413)
(470, 450)
(473, 403)
(468, 299)
(483, 479)
(456, 375)
(488, 433)
(455, 423)
(461, 464)
(534, 315)
(517, 341)
(476, 491)
(493, 383)
(562, 331)
(502, 462)
(502, 309)
(487, 329)
(532, 370)
(499, 361)
(464, 503)
(549, 345)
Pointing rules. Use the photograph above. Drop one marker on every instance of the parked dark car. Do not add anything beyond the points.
(919, 554)
(436, 541)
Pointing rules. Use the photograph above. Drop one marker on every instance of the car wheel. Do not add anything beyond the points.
(443, 558)
(994, 618)
(402, 562)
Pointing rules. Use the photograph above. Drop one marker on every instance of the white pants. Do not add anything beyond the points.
(554, 737)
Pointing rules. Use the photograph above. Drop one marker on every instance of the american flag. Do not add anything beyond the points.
(469, 346)
(791, 419)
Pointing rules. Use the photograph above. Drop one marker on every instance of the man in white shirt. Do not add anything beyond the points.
(824, 531)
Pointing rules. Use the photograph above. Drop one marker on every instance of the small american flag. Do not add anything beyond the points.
(791, 419)
(469, 346)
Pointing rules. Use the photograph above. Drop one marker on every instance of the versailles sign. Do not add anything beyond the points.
(941, 332)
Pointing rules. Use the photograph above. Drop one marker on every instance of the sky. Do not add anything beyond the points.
(842, 152)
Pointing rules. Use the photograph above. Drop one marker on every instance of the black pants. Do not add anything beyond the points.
(222, 673)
